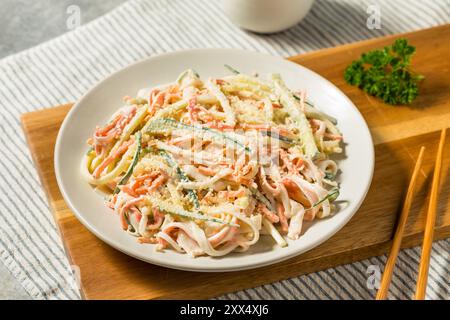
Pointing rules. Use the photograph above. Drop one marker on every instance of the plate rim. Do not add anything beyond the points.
(251, 265)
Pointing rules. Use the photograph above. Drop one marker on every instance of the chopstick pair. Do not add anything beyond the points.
(429, 227)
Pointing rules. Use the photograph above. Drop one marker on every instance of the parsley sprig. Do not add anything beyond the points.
(386, 73)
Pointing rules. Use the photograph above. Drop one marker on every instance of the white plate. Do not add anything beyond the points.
(101, 101)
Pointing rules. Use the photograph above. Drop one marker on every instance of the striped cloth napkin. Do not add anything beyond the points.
(61, 70)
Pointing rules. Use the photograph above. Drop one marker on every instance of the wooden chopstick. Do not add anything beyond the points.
(390, 263)
(429, 225)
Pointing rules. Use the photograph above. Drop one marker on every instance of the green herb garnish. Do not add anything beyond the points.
(386, 73)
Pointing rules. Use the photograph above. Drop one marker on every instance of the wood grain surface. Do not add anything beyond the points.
(398, 133)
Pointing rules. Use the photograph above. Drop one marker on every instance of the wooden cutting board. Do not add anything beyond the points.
(398, 133)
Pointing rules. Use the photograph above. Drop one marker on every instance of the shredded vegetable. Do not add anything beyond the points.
(206, 167)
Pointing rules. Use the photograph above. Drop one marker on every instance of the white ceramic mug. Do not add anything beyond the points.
(266, 16)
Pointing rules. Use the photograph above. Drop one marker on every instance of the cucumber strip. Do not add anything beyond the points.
(261, 198)
(130, 226)
(189, 73)
(91, 148)
(280, 137)
(191, 193)
(169, 111)
(173, 108)
(230, 68)
(331, 196)
(250, 81)
(329, 176)
(309, 103)
(270, 229)
(298, 117)
(196, 73)
(132, 165)
(312, 112)
(159, 126)
(215, 90)
(178, 211)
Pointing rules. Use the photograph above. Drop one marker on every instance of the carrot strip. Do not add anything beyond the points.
(111, 157)
(272, 217)
(283, 220)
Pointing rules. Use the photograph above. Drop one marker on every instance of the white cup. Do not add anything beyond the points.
(266, 16)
